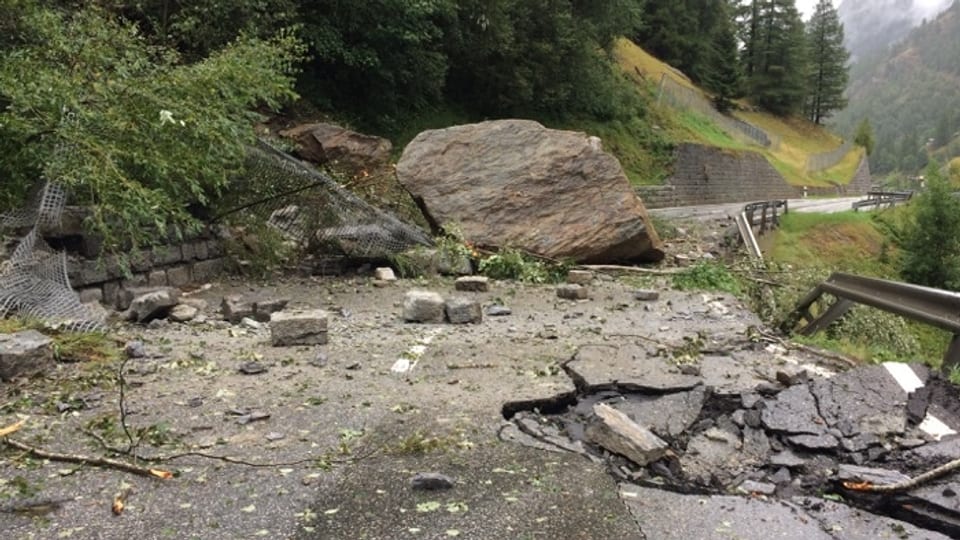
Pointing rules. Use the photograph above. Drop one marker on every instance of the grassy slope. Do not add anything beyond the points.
(855, 243)
(799, 137)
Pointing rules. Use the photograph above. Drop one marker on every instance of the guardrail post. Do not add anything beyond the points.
(951, 360)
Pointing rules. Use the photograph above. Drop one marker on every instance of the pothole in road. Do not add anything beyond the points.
(801, 436)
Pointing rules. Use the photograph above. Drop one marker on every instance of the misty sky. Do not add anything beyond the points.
(926, 6)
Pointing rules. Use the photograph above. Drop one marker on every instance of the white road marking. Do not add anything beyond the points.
(909, 381)
(411, 356)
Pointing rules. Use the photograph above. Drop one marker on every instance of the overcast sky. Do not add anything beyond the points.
(806, 7)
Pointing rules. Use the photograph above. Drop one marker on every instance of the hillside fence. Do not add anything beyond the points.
(825, 160)
(681, 97)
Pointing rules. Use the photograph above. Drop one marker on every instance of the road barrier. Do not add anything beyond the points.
(935, 307)
(766, 215)
(877, 199)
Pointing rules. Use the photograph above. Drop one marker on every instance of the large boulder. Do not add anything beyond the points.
(515, 183)
(332, 144)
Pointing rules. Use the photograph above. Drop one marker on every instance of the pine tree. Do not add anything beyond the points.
(864, 136)
(828, 75)
(722, 73)
(775, 56)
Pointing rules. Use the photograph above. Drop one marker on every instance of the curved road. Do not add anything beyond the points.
(729, 210)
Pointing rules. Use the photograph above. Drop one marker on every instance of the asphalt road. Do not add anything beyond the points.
(729, 210)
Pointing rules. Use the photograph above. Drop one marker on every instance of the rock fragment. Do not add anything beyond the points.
(25, 353)
(646, 295)
(384, 274)
(431, 481)
(423, 307)
(301, 328)
(573, 292)
(619, 434)
(472, 284)
(182, 313)
(463, 311)
(579, 277)
(154, 304)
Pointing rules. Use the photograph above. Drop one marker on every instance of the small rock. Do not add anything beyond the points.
(498, 311)
(815, 442)
(787, 459)
(472, 284)
(763, 488)
(251, 324)
(252, 417)
(158, 323)
(235, 309)
(645, 295)
(690, 369)
(782, 476)
(152, 305)
(579, 277)
(423, 307)
(431, 482)
(274, 436)
(264, 309)
(463, 311)
(182, 313)
(749, 399)
(573, 292)
(195, 402)
(320, 360)
(790, 376)
(252, 368)
(354, 366)
(384, 274)
(135, 349)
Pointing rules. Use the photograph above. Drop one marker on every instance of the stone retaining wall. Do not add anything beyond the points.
(192, 262)
(710, 175)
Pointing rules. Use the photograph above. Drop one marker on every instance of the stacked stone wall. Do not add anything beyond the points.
(710, 175)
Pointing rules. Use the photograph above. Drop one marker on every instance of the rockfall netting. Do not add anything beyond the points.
(312, 210)
(33, 281)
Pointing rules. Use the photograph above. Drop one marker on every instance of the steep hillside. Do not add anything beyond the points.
(795, 140)
(911, 95)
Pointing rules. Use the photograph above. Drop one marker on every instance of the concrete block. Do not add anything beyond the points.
(573, 292)
(304, 328)
(472, 284)
(23, 354)
(167, 255)
(423, 307)
(579, 277)
(207, 270)
(234, 308)
(154, 304)
(463, 311)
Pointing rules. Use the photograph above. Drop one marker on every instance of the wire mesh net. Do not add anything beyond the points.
(33, 281)
(312, 210)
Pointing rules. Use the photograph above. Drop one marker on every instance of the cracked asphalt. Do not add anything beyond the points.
(345, 433)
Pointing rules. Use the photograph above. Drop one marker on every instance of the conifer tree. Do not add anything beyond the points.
(722, 74)
(864, 136)
(828, 75)
(775, 56)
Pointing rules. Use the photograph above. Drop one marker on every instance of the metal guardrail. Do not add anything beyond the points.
(935, 307)
(883, 198)
(769, 218)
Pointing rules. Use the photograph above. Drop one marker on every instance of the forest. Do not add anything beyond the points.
(144, 108)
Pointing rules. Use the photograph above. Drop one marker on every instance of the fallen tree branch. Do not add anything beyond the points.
(635, 269)
(906, 484)
(80, 459)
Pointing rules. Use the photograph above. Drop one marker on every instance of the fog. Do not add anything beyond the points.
(886, 9)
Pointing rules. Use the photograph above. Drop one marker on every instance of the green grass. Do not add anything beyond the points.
(848, 241)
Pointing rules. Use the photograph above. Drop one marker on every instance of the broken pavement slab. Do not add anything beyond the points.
(671, 516)
(626, 368)
(299, 328)
(617, 433)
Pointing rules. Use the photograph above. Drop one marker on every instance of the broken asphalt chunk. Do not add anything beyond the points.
(431, 481)
(619, 434)
(252, 368)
